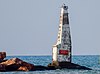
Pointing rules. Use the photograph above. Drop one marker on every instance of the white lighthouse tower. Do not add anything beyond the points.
(62, 48)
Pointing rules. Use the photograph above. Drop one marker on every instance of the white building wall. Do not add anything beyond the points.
(54, 54)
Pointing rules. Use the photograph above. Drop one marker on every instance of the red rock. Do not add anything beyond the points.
(16, 64)
(28, 65)
(23, 68)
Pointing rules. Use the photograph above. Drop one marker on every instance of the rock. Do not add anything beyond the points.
(2, 56)
(16, 64)
(12, 67)
(27, 66)
(23, 68)
(54, 65)
(67, 65)
(39, 67)
(12, 61)
(2, 67)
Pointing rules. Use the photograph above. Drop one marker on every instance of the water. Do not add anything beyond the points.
(91, 61)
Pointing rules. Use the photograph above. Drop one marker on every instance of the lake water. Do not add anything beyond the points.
(91, 61)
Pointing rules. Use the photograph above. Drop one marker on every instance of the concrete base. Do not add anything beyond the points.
(67, 65)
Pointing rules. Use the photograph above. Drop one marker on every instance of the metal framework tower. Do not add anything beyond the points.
(62, 48)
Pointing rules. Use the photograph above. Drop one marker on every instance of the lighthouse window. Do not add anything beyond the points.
(58, 36)
(59, 26)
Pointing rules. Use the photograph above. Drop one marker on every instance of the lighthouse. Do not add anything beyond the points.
(61, 51)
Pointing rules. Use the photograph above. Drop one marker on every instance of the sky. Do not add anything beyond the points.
(30, 27)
